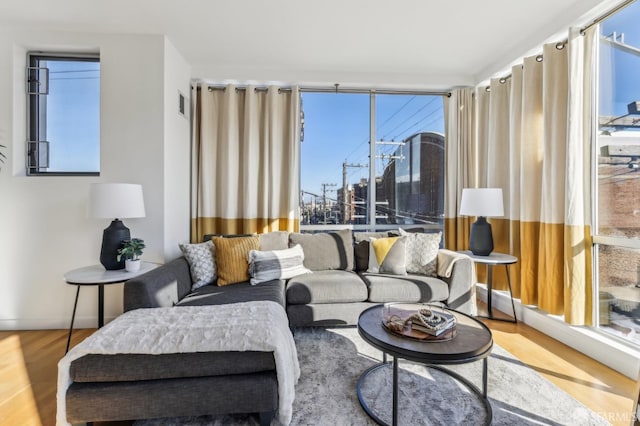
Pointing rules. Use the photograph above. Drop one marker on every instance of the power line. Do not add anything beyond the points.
(418, 122)
(411, 116)
(395, 113)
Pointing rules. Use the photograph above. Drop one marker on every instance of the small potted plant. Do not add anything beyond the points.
(130, 251)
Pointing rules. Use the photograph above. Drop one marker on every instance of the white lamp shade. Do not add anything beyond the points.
(116, 200)
(485, 202)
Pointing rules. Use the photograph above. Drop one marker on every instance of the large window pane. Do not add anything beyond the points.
(619, 295)
(408, 161)
(618, 175)
(410, 129)
(336, 134)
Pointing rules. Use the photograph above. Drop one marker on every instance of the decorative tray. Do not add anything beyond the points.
(396, 319)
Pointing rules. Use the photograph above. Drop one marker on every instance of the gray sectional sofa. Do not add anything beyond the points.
(335, 293)
(338, 289)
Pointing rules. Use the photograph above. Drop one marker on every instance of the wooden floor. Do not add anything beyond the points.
(28, 372)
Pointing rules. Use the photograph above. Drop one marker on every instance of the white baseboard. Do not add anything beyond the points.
(50, 324)
(609, 351)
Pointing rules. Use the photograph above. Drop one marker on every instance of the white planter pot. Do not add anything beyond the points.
(132, 265)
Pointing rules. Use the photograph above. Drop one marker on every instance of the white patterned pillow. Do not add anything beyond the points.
(422, 252)
(201, 259)
(276, 264)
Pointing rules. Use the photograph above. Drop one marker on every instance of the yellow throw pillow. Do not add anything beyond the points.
(232, 258)
(387, 255)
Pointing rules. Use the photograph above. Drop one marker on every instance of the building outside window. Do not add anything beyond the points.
(63, 129)
(408, 164)
(617, 230)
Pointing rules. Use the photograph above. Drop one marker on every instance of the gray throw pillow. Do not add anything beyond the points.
(276, 240)
(326, 250)
(201, 259)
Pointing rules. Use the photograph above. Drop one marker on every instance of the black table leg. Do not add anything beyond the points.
(489, 289)
(484, 377)
(73, 316)
(100, 305)
(513, 306)
(394, 420)
(490, 296)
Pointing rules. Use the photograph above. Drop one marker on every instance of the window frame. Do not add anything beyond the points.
(35, 114)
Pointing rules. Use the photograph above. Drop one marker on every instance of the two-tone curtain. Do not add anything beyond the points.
(245, 160)
(460, 160)
(537, 150)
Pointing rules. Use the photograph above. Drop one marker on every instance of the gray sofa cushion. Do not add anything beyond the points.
(326, 250)
(326, 314)
(364, 236)
(326, 287)
(405, 288)
(235, 293)
(160, 287)
(276, 240)
(132, 367)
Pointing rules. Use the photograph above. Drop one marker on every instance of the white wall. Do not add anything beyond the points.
(177, 145)
(44, 229)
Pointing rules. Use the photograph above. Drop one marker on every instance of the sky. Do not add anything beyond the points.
(73, 116)
(625, 67)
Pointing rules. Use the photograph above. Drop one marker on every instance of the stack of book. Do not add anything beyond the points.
(432, 322)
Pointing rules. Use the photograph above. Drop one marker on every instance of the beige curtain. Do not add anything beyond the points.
(497, 171)
(530, 182)
(460, 160)
(245, 161)
(578, 296)
(537, 150)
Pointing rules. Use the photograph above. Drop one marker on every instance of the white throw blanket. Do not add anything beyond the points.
(446, 261)
(249, 326)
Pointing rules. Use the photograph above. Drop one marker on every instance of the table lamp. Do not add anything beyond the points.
(483, 203)
(115, 201)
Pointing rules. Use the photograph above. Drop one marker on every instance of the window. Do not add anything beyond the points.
(617, 230)
(63, 126)
(406, 161)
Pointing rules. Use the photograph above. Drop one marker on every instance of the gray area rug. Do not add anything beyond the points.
(332, 360)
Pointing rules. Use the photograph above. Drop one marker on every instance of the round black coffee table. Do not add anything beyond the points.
(473, 342)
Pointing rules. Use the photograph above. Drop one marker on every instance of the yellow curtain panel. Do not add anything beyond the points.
(245, 161)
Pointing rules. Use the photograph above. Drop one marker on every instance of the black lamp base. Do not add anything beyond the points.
(112, 239)
(481, 239)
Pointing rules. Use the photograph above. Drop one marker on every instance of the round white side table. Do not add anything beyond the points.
(492, 260)
(96, 275)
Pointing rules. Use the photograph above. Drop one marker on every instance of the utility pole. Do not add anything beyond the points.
(345, 205)
(324, 199)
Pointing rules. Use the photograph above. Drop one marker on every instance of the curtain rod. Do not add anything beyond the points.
(336, 90)
(243, 88)
(377, 91)
(606, 15)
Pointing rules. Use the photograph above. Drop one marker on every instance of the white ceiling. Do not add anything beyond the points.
(425, 43)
